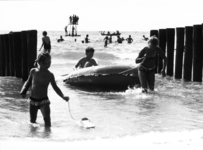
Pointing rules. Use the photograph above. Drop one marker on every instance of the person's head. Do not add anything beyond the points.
(153, 41)
(43, 60)
(129, 35)
(44, 33)
(89, 52)
(87, 35)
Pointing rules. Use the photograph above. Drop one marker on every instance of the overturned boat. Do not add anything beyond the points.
(104, 77)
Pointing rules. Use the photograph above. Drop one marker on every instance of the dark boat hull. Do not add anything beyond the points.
(103, 77)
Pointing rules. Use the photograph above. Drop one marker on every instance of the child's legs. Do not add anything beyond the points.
(45, 109)
(33, 113)
(151, 80)
(143, 80)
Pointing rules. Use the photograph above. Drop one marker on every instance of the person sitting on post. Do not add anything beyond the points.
(87, 61)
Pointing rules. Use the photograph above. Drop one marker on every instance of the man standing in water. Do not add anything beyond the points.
(87, 61)
(87, 39)
(129, 39)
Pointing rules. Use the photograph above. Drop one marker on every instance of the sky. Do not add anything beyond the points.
(100, 15)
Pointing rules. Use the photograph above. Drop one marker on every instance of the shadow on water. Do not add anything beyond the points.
(96, 89)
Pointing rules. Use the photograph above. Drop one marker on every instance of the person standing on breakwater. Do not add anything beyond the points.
(46, 42)
(39, 79)
(87, 61)
(147, 58)
(66, 31)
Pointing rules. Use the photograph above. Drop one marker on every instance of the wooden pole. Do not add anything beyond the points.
(162, 45)
(25, 62)
(170, 35)
(188, 55)
(11, 55)
(6, 48)
(154, 32)
(179, 52)
(18, 53)
(197, 53)
(31, 47)
(3, 68)
(1, 55)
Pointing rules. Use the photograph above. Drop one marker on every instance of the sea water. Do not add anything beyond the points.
(173, 113)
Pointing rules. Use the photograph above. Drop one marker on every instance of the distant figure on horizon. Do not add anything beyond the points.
(117, 32)
(87, 61)
(73, 30)
(61, 39)
(145, 38)
(129, 39)
(106, 41)
(110, 39)
(46, 42)
(70, 18)
(87, 39)
(66, 30)
(119, 40)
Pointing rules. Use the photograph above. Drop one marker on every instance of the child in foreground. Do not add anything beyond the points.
(39, 79)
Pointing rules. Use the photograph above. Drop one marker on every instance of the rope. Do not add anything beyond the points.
(70, 111)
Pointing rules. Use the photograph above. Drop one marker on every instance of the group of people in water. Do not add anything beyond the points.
(40, 77)
(108, 40)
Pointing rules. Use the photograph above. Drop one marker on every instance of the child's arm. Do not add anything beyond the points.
(56, 88)
(161, 53)
(27, 84)
(140, 57)
(42, 44)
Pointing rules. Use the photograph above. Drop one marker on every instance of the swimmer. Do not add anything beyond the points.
(87, 61)
(87, 39)
(129, 39)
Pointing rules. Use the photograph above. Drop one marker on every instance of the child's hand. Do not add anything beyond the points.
(23, 95)
(66, 98)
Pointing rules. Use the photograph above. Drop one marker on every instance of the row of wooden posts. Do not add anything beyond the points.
(185, 57)
(18, 51)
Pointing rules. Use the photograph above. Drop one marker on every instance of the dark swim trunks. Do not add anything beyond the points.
(39, 102)
(145, 69)
(47, 46)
